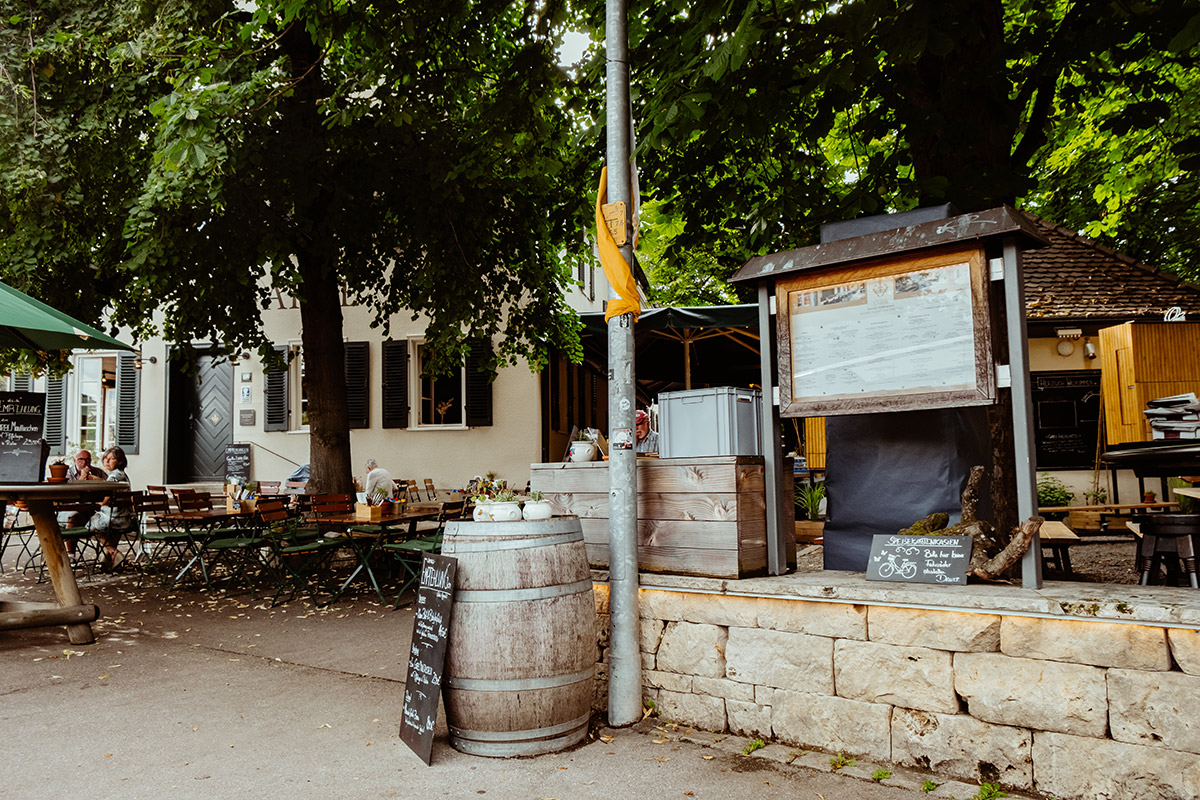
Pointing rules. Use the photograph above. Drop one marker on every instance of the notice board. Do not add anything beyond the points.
(427, 655)
(920, 559)
(1066, 413)
(237, 461)
(22, 415)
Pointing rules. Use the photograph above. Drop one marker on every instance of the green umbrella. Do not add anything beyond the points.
(28, 324)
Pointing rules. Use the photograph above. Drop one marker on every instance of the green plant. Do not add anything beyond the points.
(1053, 492)
(536, 496)
(1187, 505)
(840, 760)
(1096, 498)
(754, 744)
(582, 436)
(809, 497)
(880, 775)
(989, 791)
(928, 786)
(505, 497)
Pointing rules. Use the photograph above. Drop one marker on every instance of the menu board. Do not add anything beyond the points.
(22, 415)
(1066, 417)
(427, 654)
(920, 559)
(893, 336)
(237, 461)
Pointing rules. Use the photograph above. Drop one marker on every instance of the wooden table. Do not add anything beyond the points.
(365, 544)
(1106, 510)
(40, 500)
(1189, 491)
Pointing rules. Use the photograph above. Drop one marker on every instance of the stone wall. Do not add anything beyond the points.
(1072, 708)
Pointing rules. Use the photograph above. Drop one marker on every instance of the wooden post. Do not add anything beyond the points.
(58, 564)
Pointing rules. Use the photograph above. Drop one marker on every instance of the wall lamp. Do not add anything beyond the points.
(238, 358)
(138, 360)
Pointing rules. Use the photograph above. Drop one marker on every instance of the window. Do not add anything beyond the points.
(300, 410)
(96, 405)
(463, 399)
(285, 399)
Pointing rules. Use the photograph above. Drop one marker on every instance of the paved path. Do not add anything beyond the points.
(190, 695)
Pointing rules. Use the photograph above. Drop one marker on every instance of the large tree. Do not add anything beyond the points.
(185, 157)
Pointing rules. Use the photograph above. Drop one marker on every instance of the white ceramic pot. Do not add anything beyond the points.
(483, 512)
(537, 509)
(583, 451)
(506, 512)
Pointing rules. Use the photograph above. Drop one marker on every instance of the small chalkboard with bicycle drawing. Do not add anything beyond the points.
(920, 559)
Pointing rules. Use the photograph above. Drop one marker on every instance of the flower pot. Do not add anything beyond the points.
(482, 512)
(58, 473)
(506, 512)
(385, 507)
(583, 451)
(537, 509)
(1148, 497)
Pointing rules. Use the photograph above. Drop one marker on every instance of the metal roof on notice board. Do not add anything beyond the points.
(962, 228)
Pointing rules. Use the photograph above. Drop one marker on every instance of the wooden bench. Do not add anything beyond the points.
(1059, 538)
(1105, 511)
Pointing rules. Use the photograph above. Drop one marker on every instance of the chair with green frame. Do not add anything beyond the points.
(408, 553)
(299, 555)
(239, 549)
(159, 544)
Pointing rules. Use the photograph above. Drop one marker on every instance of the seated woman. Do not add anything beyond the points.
(111, 521)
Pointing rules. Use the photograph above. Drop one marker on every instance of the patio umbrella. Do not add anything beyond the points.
(28, 324)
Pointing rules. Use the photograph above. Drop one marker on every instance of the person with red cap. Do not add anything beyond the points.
(647, 440)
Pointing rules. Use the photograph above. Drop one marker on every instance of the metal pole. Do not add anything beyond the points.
(624, 656)
(1022, 408)
(772, 445)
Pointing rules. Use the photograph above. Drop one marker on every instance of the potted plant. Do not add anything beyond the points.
(1148, 497)
(505, 507)
(483, 508)
(809, 526)
(537, 507)
(58, 471)
(583, 448)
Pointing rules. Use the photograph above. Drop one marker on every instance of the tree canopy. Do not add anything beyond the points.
(759, 121)
(183, 158)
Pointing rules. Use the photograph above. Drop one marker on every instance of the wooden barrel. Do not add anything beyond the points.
(522, 645)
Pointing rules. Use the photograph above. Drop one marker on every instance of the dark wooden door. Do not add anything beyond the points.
(211, 418)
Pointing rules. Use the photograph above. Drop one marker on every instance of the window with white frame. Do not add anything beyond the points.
(441, 396)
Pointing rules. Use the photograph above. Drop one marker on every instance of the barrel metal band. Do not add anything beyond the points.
(483, 545)
(512, 736)
(520, 684)
(509, 595)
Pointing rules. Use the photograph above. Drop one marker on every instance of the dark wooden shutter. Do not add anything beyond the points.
(395, 384)
(358, 384)
(275, 396)
(55, 429)
(479, 384)
(129, 402)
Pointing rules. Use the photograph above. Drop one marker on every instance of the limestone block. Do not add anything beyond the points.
(836, 620)
(1158, 709)
(748, 719)
(1044, 695)
(912, 677)
(940, 630)
(672, 681)
(1185, 647)
(1079, 767)
(764, 695)
(698, 710)
(651, 632)
(720, 687)
(649, 661)
(658, 604)
(833, 723)
(691, 648)
(963, 747)
(719, 609)
(782, 660)
(600, 592)
(1103, 644)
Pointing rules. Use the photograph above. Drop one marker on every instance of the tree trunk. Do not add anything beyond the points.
(324, 380)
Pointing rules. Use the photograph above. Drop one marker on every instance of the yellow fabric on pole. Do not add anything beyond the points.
(616, 269)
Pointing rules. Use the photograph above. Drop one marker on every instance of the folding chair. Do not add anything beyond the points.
(239, 549)
(412, 492)
(430, 491)
(158, 543)
(13, 534)
(268, 487)
(407, 554)
(299, 556)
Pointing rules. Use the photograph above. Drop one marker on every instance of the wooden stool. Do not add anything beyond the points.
(1172, 536)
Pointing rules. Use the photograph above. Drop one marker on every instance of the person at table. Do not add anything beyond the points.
(80, 469)
(379, 481)
(111, 522)
(647, 440)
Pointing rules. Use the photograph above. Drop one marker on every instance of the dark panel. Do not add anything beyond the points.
(212, 418)
(56, 415)
(358, 384)
(479, 384)
(129, 402)
(275, 396)
(395, 384)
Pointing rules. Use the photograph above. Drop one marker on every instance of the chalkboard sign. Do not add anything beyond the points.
(920, 559)
(427, 655)
(237, 461)
(22, 458)
(1066, 418)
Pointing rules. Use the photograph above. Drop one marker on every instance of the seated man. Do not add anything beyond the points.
(647, 440)
(379, 481)
(80, 469)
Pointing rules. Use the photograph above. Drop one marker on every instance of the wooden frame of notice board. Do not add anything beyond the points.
(892, 334)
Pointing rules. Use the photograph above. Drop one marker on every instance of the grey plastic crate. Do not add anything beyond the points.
(721, 421)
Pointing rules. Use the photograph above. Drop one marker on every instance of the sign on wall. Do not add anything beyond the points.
(896, 334)
(21, 420)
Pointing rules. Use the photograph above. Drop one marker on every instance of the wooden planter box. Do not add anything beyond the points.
(696, 516)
